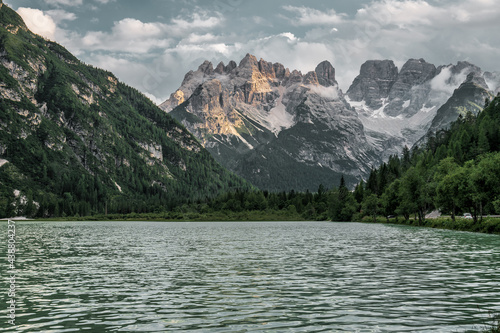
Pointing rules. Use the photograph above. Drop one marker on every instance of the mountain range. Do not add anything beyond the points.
(281, 129)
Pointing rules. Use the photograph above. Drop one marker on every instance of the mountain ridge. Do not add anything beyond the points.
(262, 107)
(389, 107)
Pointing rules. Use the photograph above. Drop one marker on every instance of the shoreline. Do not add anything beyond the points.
(489, 225)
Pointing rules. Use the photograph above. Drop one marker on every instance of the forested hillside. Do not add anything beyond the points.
(76, 141)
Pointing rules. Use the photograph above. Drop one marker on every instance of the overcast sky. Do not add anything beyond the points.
(152, 44)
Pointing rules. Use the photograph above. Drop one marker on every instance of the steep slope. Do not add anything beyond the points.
(278, 128)
(74, 140)
(469, 97)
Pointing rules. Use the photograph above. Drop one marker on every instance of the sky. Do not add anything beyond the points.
(152, 44)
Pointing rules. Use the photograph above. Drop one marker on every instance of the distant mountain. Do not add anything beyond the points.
(277, 128)
(283, 130)
(399, 108)
(74, 140)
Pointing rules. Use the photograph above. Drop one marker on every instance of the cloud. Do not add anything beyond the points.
(127, 36)
(179, 26)
(59, 15)
(58, 3)
(309, 16)
(330, 93)
(38, 22)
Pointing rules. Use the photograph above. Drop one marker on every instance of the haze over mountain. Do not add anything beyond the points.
(282, 129)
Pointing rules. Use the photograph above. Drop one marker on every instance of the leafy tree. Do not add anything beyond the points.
(371, 206)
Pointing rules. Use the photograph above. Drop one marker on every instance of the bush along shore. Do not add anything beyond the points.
(490, 225)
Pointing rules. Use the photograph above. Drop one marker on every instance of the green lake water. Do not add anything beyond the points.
(249, 277)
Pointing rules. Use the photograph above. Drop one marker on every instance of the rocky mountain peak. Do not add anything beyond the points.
(477, 79)
(230, 66)
(250, 61)
(413, 73)
(311, 78)
(295, 77)
(220, 69)
(374, 82)
(326, 74)
(464, 65)
(267, 69)
(206, 68)
(417, 71)
(281, 72)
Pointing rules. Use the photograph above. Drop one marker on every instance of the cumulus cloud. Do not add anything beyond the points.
(38, 22)
(127, 36)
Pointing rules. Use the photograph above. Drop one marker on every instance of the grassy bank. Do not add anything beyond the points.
(488, 225)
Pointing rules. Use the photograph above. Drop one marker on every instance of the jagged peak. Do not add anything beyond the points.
(379, 68)
(230, 66)
(206, 68)
(221, 68)
(267, 68)
(311, 78)
(476, 78)
(249, 61)
(326, 74)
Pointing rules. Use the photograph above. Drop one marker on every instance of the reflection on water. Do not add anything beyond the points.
(251, 277)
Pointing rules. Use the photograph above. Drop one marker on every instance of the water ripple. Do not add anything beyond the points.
(251, 277)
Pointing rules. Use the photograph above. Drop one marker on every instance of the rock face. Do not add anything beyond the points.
(326, 74)
(374, 82)
(282, 129)
(469, 97)
(278, 128)
(398, 108)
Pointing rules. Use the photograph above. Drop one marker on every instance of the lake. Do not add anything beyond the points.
(249, 277)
